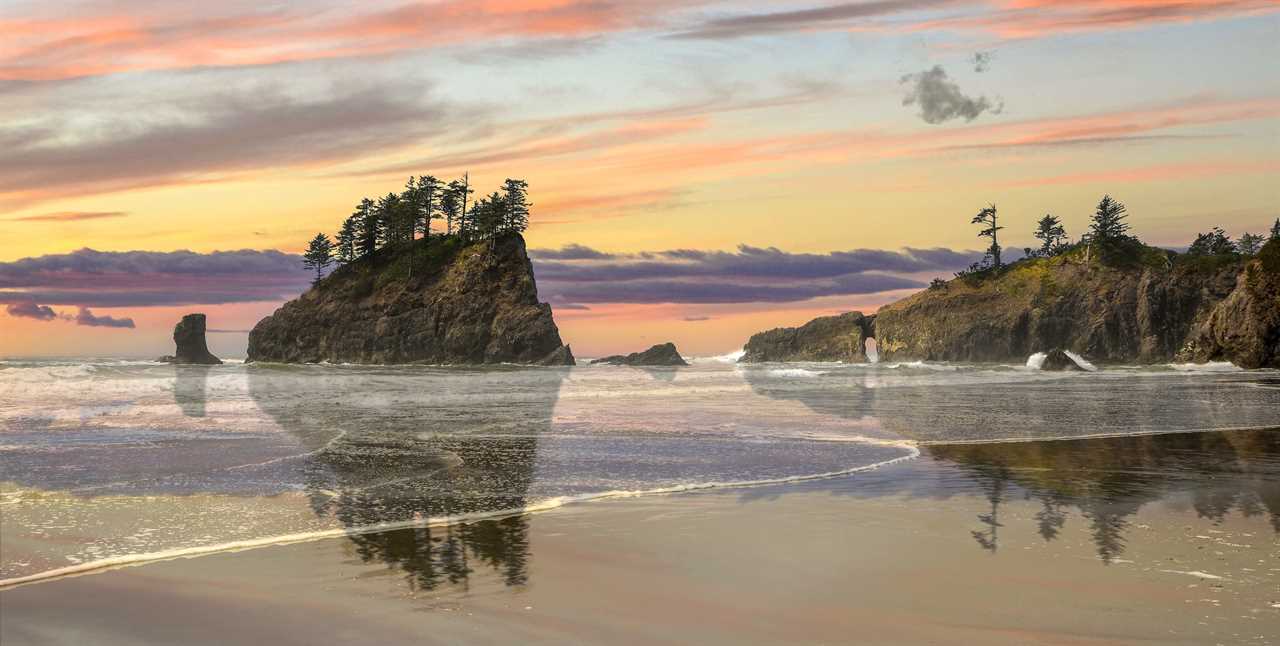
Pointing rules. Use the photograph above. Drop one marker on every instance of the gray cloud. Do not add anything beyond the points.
(981, 61)
(85, 317)
(827, 17)
(941, 100)
(144, 278)
(234, 130)
(577, 274)
(28, 309)
(697, 319)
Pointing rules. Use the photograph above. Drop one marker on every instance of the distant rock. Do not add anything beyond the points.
(188, 335)
(1059, 361)
(664, 354)
(434, 302)
(827, 338)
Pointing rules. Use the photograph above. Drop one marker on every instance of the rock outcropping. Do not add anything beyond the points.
(828, 338)
(436, 303)
(664, 354)
(1161, 309)
(188, 336)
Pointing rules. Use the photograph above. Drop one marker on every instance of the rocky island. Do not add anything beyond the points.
(1160, 307)
(663, 354)
(435, 300)
(191, 348)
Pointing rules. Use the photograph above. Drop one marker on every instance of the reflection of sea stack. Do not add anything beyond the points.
(664, 354)
(188, 335)
(189, 389)
(435, 302)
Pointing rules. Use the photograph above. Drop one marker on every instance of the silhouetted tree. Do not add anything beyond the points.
(1213, 243)
(1108, 224)
(1051, 234)
(347, 236)
(1275, 230)
(428, 190)
(370, 233)
(319, 254)
(987, 218)
(516, 205)
(1249, 244)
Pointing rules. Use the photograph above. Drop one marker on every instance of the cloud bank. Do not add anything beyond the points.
(581, 275)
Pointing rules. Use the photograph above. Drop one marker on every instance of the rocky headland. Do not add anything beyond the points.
(438, 302)
(663, 354)
(1160, 307)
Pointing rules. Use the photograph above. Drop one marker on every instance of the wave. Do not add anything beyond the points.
(132, 560)
(795, 372)
(1212, 366)
(732, 357)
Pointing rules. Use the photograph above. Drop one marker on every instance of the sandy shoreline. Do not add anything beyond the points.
(908, 554)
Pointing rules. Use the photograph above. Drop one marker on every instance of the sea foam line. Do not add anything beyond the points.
(133, 560)
(1091, 436)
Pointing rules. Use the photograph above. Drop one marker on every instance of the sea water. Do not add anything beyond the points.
(113, 462)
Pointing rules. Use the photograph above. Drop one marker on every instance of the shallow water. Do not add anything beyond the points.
(117, 461)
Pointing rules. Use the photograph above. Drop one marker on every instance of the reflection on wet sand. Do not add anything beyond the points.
(387, 455)
(189, 388)
(1109, 479)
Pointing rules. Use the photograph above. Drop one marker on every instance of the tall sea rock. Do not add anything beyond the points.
(436, 302)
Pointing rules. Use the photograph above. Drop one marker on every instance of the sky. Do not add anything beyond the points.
(699, 170)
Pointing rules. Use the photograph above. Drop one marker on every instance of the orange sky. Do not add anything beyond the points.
(640, 127)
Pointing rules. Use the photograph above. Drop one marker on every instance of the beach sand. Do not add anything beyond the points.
(923, 552)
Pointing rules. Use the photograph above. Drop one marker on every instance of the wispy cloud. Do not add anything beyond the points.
(86, 317)
(30, 310)
(828, 17)
(71, 216)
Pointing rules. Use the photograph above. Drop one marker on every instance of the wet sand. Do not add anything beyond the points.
(951, 548)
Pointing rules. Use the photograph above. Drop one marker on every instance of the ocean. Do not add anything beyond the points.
(107, 463)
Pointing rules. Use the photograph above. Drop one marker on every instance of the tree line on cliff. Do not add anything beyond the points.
(399, 219)
(1108, 237)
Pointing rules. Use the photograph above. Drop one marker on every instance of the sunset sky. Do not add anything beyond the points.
(700, 170)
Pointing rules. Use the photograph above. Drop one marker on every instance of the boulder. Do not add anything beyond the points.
(188, 335)
(1059, 361)
(664, 354)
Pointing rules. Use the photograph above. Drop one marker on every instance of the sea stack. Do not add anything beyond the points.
(439, 301)
(663, 354)
(827, 338)
(188, 335)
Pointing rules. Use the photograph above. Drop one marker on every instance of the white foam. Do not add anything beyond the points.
(130, 560)
(1036, 361)
(795, 372)
(1212, 366)
(1081, 361)
(732, 357)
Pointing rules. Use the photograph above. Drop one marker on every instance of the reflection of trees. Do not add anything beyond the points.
(420, 446)
(1106, 479)
(1109, 479)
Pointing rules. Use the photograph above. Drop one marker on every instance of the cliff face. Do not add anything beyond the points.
(1177, 311)
(829, 338)
(442, 303)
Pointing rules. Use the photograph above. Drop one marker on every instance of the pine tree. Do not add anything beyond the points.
(1250, 244)
(1108, 222)
(411, 214)
(347, 237)
(319, 254)
(1275, 230)
(1213, 243)
(516, 202)
(428, 189)
(453, 204)
(370, 233)
(1051, 234)
(988, 217)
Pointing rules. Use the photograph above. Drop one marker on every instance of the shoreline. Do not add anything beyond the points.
(933, 549)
